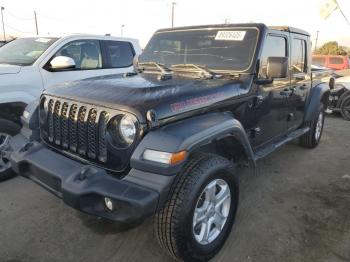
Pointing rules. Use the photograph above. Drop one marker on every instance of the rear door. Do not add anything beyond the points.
(271, 113)
(300, 80)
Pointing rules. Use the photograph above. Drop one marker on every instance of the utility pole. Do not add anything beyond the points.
(3, 25)
(36, 23)
(316, 40)
(172, 13)
(121, 30)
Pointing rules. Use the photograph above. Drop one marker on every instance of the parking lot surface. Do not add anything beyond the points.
(296, 208)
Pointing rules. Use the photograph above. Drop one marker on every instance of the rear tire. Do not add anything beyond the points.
(345, 108)
(7, 130)
(198, 216)
(312, 138)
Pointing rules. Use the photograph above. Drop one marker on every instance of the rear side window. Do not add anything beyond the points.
(274, 46)
(118, 54)
(298, 56)
(319, 61)
(336, 60)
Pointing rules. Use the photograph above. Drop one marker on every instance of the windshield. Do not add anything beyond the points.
(24, 51)
(217, 49)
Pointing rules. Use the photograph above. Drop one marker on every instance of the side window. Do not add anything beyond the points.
(298, 56)
(85, 53)
(274, 46)
(119, 54)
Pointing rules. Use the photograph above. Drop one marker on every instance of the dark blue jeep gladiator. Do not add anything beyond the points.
(166, 139)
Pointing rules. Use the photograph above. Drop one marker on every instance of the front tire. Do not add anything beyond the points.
(312, 138)
(7, 130)
(201, 207)
(345, 107)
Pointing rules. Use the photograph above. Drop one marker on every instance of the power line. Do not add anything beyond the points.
(17, 17)
(17, 30)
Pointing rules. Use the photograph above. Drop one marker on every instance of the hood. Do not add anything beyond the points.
(140, 93)
(9, 69)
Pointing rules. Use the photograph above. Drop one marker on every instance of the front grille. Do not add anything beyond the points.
(75, 127)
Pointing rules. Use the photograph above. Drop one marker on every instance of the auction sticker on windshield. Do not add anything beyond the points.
(230, 35)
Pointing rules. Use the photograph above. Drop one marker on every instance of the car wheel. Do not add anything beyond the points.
(345, 108)
(312, 138)
(7, 130)
(199, 213)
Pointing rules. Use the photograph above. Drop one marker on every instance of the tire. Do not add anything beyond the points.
(7, 128)
(174, 223)
(312, 138)
(345, 108)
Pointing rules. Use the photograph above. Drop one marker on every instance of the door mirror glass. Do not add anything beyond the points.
(277, 67)
(62, 63)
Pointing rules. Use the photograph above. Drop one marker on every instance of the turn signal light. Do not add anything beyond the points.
(164, 157)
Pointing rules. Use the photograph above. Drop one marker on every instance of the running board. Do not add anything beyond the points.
(285, 139)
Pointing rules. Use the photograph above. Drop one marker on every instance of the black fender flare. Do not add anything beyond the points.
(318, 94)
(189, 134)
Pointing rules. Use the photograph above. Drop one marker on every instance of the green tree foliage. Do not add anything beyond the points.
(332, 48)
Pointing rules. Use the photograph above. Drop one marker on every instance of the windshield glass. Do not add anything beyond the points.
(24, 51)
(217, 49)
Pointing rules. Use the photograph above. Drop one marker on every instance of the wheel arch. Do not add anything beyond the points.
(218, 133)
(12, 111)
(319, 94)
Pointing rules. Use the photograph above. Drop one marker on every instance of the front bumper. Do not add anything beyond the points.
(84, 187)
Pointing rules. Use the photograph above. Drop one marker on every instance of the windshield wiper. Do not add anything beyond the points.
(201, 71)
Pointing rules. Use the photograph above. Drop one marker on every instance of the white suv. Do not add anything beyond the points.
(29, 65)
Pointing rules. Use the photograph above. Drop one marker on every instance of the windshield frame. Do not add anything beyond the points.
(252, 58)
(53, 40)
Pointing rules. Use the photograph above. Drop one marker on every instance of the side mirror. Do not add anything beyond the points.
(62, 63)
(277, 67)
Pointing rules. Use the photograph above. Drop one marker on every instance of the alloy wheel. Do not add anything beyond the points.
(211, 212)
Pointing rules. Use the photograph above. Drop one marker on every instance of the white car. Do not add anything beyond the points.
(28, 65)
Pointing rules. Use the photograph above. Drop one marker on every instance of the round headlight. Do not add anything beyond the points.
(127, 129)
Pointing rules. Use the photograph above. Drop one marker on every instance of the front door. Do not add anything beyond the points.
(300, 80)
(272, 109)
(91, 61)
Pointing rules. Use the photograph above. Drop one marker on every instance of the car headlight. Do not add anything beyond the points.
(127, 129)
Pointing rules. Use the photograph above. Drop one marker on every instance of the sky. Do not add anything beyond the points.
(141, 18)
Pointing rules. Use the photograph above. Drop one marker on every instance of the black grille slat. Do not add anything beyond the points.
(72, 127)
(102, 146)
(79, 128)
(50, 120)
(64, 125)
(92, 134)
(57, 123)
(82, 131)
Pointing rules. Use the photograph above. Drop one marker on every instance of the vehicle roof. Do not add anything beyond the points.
(290, 29)
(342, 56)
(258, 25)
(68, 36)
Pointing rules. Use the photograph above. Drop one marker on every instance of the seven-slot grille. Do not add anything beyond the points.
(75, 127)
